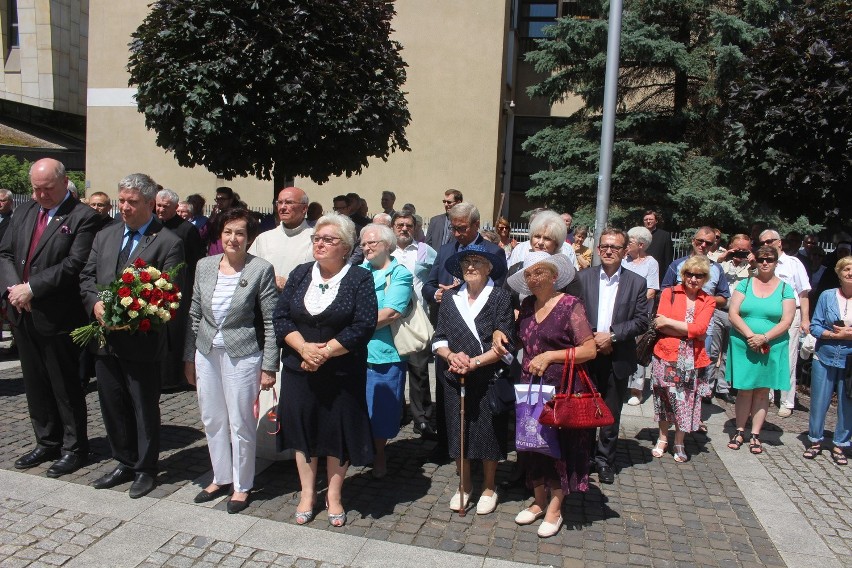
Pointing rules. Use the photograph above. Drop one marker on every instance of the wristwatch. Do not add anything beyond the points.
(477, 361)
(612, 337)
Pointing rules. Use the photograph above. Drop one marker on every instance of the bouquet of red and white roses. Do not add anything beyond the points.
(142, 299)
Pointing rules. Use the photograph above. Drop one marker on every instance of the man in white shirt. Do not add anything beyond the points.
(791, 270)
(418, 258)
(289, 244)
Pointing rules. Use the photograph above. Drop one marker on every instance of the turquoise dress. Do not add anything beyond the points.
(747, 369)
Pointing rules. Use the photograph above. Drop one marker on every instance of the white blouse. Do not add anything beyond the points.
(226, 285)
(321, 293)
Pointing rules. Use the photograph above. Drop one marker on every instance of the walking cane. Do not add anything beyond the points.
(462, 511)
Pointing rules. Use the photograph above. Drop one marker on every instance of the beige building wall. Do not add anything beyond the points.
(49, 68)
(455, 53)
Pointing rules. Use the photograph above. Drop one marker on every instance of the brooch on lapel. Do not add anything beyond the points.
(65, 230)
(243, 282)
(322, 287)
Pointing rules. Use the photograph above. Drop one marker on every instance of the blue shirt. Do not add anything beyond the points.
(139, 232)
(830, 352)
(716, 285)
(381, 349)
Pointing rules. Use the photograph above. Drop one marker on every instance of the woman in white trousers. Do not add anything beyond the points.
(231, 354)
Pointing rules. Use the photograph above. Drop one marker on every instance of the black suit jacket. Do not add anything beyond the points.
(661, 247)
(435, 232)
(56, 263)
(158, 247)
(439, 274)
(629, 316)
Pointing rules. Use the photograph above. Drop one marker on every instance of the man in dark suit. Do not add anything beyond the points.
(617, 307)
(100, 203)
(661, 247)
(128, 369)
(439, 233)
(193, 248)
(41, 257)
(6, 206)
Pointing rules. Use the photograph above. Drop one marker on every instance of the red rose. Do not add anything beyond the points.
(156, 295)
(175, 289)
(127, 278)
(139, 263)
(124, 292)
(144, 276)
(134, 305)
(172, 313)
(145, 294)
(145, 325)
(165, 276)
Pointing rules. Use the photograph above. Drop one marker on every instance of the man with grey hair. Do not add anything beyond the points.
(166, 204)
(186, 211)
(288, 245)
(41, 257)
(6, 206)
(382, 219)
(128, 370)
(791, 270)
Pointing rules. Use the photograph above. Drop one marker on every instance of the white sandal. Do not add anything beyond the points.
(660, 449)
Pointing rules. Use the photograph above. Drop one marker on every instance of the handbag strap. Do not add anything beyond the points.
(568, 373)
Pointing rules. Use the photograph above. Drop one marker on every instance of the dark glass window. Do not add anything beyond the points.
(535, 15)
(12, 16)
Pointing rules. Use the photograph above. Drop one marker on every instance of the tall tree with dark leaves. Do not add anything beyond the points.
(790, 117)
(271, 87)
(677, 56)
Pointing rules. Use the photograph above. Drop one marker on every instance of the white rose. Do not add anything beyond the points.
(126, 301)
(148, 286)
(129, 270)
(169, 286)
(164, 314)
(153, 272)
(151, 309)
(133, 314)
(174, 305)
(142, 302)
(161, 283)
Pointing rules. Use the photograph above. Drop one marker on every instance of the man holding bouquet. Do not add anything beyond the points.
(41, 256)
(128, 366)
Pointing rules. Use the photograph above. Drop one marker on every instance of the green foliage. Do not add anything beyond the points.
(677, 58)
(312, 88)
(15, 176)
(790, 118)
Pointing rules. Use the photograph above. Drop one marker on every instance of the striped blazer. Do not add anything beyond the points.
(247, 327)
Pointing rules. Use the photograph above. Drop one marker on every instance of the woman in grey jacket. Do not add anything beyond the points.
(231, 353)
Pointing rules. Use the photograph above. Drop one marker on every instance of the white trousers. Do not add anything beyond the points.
(788, 397)
(227, 388)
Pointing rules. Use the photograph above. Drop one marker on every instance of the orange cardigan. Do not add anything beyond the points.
(666, 347)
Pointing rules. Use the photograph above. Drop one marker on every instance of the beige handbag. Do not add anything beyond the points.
(413, 331)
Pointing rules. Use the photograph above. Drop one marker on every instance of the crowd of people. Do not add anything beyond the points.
(312, 307)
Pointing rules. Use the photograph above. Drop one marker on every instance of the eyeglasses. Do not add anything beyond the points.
(370, 244)
(404, 225)
(764, 260)
(287, 203)
(698, 275)
(700, 242)
(330, 241)
(615, 248)
(459, 228)
(474, 262)
(448, 201)
(768, 241)
(502, 228)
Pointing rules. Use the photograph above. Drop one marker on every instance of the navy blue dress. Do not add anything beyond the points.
(324, 413)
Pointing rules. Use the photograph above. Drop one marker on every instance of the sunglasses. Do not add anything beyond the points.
(610, 247)
(768, 241)
(703, 242)
(764, 260)
(448, 201)
(695, 275)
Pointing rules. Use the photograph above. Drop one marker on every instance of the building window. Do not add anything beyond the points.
(525, 164)
(535, 15)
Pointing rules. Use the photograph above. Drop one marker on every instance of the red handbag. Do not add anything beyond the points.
(578, 411)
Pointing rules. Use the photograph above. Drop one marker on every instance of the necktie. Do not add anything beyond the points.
(38, 230)
(125, 252)
(447, 232)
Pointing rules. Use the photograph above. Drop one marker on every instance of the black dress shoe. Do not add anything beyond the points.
(142, 485)
(69, 463)
(237, 506)
(425, 430)
(121, 474)
(207, 496)
(36, 457)
(727, 397)
(606, 474)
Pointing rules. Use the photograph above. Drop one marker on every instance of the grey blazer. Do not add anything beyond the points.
(247, 327)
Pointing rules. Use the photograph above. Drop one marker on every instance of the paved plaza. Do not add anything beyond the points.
(722, 508)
